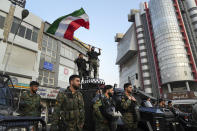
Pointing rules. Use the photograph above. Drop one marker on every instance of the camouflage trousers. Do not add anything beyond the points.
(130, 123)
(82, 73)
(101, 127)
(93, 64)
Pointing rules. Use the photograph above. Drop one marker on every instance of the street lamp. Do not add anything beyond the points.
(24, 14)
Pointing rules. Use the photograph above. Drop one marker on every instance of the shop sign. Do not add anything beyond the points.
(48, 93)
(18, 83)
(182, 95)
(48, 66)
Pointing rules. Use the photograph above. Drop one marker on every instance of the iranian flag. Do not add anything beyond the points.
(66, 25)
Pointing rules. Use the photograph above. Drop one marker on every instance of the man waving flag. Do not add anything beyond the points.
(66, 25)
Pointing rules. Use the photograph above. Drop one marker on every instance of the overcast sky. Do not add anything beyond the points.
(107, 17)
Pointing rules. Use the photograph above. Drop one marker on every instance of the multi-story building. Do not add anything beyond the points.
(36, 55)
(56, 65)
(160, 47)
(24, 60)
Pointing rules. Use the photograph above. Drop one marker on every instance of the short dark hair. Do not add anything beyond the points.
(34, 83)
(80, 54)
(160, 100)
(126, 85)
(107, 87)
(169, 102)
(72, 77)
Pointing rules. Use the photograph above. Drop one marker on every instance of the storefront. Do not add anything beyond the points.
(48, 96)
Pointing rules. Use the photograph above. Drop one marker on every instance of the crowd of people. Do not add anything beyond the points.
(69, 112)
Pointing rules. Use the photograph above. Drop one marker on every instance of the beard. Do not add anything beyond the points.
(75, 87)
(34, 91)
(110, 94)
(129, 91)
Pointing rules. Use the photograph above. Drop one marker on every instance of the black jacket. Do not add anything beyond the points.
(81, 63)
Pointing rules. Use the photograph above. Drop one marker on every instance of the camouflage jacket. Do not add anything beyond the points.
(69, 110)
(30, 104)
(101, 103)
(128, 108)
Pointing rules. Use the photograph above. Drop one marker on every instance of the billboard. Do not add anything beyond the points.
(48, 93)
(20, 3)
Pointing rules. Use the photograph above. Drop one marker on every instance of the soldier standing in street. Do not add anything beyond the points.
(93, 60)
(128, 104)
(69, 114)
(81, 64)
(101, 117)
(29, 104)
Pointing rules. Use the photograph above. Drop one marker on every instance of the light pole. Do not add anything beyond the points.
(24, 14)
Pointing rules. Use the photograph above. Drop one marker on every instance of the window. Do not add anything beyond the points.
(54, 54)
(2, 20)
(28, 34)
(46, 77)
(14, 27)
(43, 49)
(45, 37)
(24, 32)
(21, 31)
(55, 45)
(35, 35)
(46, 73)
(44, 43)
(50, 44)
(49, 52)
(47, 58)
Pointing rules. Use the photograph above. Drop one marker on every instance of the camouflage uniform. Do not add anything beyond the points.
(93, 62)
(81, 64)
(128, 113)
(69, 114)
(30, 104)
(101, 123)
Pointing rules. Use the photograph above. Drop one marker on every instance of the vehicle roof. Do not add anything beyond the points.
(184, 102)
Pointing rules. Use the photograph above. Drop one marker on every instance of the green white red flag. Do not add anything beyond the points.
(65, 26)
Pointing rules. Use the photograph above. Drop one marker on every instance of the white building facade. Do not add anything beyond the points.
(24, 60)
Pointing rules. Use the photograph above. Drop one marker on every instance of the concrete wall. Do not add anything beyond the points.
(126, 44)
(128, 62)
(128, 71)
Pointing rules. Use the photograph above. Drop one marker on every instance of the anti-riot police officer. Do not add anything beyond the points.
(128, 104)
(102, 104)
(69, 113)
(81, 64)
(93, 60)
